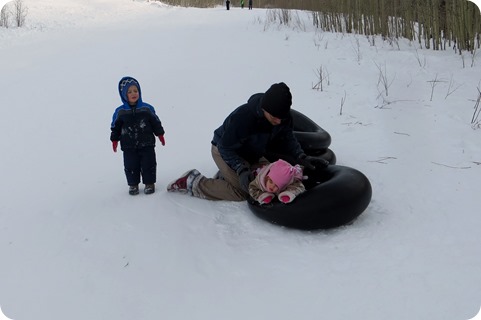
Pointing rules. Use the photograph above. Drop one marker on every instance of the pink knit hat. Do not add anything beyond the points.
(283, 174)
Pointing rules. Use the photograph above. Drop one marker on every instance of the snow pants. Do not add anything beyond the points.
(140, 163)
(227, 187)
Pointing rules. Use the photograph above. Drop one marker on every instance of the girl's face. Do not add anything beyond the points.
(132, 95)
(271, 186)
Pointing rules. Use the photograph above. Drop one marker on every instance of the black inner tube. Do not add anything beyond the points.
(335, 196)
(309, 134)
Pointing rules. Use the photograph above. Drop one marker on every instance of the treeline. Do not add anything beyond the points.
(436, 24)
(16, 10)
(194, 3)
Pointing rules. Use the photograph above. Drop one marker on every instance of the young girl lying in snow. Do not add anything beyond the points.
(278, 178)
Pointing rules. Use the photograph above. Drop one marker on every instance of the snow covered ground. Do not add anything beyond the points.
(74, 245)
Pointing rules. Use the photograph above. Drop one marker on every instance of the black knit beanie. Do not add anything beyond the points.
(277, 100)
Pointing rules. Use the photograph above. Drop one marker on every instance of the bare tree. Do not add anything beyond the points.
(476, 121)
(451, 87)
(343, 100)
(19, 12)
(434, 83)
(4, 17)
(383, 80)
(322, 75)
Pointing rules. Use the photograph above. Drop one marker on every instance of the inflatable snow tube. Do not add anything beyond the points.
(313, 139)
(326, 154)
(334, 196)
(309, 134)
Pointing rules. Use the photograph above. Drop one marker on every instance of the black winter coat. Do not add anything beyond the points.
(135, 126)
(247, 135)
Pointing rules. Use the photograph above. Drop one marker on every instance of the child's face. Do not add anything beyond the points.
(132, 94)
(271, 186)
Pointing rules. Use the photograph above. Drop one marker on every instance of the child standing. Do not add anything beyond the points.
(278, 178)
(135, 125)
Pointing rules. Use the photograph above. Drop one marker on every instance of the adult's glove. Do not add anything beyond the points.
(114, 145)
(312, 163)
(162, 140)
(245, 177)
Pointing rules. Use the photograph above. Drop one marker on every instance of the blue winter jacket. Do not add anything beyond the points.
(134, 126)
(247, 135)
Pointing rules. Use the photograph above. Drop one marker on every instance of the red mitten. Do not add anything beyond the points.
(285, 199)
(267, 200)
(114, 145)
(162, 140)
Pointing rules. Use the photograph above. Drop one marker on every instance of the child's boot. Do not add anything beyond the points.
(149, 188)
(133, 190)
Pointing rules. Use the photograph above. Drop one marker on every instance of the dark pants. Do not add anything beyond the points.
(140, 162)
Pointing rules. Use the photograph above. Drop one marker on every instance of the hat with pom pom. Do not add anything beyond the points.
(282, 173)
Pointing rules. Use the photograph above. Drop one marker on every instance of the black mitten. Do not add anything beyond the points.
(312, 163)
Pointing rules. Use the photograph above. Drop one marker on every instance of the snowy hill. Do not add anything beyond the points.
(75, 245)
